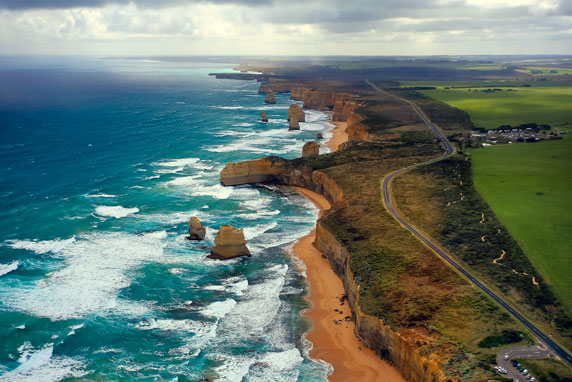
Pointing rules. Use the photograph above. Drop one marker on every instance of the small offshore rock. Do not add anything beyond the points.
(196, 229)
(263, 116)
(229, 243)
(270, 97)
(320, 136)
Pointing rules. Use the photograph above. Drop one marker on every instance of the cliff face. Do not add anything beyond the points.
(323, 99)
(342, 109)
(388, 344)
(357, 132)
(252, 171)
(297, 93)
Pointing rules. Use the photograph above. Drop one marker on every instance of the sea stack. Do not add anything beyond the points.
(293, 124)
(310, 149)
(270, 97)
(263, 116)
(320, 136)
(196, 229)
(295, 111)
(229, 243)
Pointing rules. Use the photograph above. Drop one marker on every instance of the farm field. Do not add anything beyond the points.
(529, 187)
(540, 104)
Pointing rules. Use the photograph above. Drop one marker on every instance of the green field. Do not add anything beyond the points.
(548, 104)
(529, 186)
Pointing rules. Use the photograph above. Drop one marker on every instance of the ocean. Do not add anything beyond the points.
(102, 163)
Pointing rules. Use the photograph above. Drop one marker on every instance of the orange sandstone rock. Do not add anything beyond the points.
(229, 243)
(294, 111)
(310, 149)
(270, 98)
(196, 229)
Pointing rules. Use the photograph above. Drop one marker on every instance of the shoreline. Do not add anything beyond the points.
(339, 135)
(332, 333)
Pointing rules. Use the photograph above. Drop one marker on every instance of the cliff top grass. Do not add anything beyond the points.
(511, 105)
(529, 186)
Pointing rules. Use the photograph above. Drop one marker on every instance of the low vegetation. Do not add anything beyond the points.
(441, 200)
(547, 370)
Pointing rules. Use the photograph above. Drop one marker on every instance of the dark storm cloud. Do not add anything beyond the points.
(63, 4)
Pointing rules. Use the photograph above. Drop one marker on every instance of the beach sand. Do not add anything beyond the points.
(332, 334)
(340, 135)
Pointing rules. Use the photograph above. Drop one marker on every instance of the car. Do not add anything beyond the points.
(532, 379)
(506, 357)
(525, 372)
(515, 364)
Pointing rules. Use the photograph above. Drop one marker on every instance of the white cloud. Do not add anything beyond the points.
(294, 27)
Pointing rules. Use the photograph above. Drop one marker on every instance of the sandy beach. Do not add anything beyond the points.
(340, 135)
(332, 334)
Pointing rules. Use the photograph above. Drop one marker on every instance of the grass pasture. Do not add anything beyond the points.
(529, 187)
(540, 104)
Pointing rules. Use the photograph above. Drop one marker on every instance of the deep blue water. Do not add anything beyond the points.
(102, 162)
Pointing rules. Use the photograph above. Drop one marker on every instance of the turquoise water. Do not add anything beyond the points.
(102, 162)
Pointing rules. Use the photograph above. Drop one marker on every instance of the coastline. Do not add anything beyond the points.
(332, 332)
(340, 135)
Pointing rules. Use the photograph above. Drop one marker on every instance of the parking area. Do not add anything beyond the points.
(537, 351)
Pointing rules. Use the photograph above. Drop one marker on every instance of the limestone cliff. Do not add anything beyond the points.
(270, 98)
(264, 87)
(388, 344)
(357, 132)
(229, 243)
(297, 93)
(342, 110)
(310, 149)
(294, 111)
(253, 171)
(323, 99)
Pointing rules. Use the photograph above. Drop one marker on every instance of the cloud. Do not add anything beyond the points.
(69, 4)
(128, 27)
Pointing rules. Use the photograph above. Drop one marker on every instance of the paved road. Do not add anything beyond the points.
(520, 353)
(449, 150)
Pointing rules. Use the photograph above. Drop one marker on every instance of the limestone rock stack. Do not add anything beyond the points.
(270, 97)
(310, 149)
(320, 136)
(196, 229)
(295, 111)
(293, 124)
(263, 116)
(229, 243)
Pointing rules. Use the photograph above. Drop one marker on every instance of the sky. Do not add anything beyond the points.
(285, 27)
